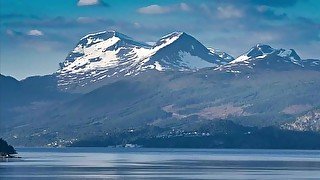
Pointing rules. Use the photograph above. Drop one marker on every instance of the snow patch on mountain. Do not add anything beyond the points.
(166, 40)
(261, 51)
(226, 57)
(266, 57)
(111, 54)
(193, 62)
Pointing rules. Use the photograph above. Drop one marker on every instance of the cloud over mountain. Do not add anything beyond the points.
(91, 3)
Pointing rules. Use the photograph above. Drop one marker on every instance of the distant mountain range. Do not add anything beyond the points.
(102, 55)
(111, 84)
(265, 57)
(112, 54)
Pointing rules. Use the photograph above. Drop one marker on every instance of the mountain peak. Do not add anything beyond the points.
(262, 46)
(170, 38)
(289, 53)
(112, 55)
(110, 37)
(259, 50)
(173, 34)
(263, 49)
(264, 56)
(106, 35)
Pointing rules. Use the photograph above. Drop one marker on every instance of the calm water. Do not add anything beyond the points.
(120, 163)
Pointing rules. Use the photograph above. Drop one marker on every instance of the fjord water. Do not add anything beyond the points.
(140, 163)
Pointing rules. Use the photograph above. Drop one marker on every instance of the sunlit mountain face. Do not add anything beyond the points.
(112, 54)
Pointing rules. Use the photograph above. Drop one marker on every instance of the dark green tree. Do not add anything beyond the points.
(5, 148)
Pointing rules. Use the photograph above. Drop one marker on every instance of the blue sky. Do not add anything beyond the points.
(36, 35)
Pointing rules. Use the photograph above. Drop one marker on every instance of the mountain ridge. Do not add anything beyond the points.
(111, 54)
(262, 56)
(108, 56)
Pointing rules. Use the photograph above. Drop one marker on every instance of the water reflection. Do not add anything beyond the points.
(113, 163)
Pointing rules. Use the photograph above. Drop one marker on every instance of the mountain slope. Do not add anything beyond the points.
(20, 100)
(181, 51)
(265, 57)
(308, 122)
(101, 55)
(111, 55)
(171, 99)
(126, 85)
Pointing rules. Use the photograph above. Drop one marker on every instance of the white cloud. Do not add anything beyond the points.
(184, 7)
(85, 20)
(35, 32)
(88, 2)
(157, 9)
(226, 12)
(9, 32)
(262, 8)
(154, 9)
(136, 25)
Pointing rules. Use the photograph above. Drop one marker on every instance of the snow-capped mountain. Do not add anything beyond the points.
(265, 52)
(112, 54)
(266, 57)
(101, 55)
(181, 51)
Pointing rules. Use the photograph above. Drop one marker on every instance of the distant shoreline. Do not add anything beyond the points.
(9, 156)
